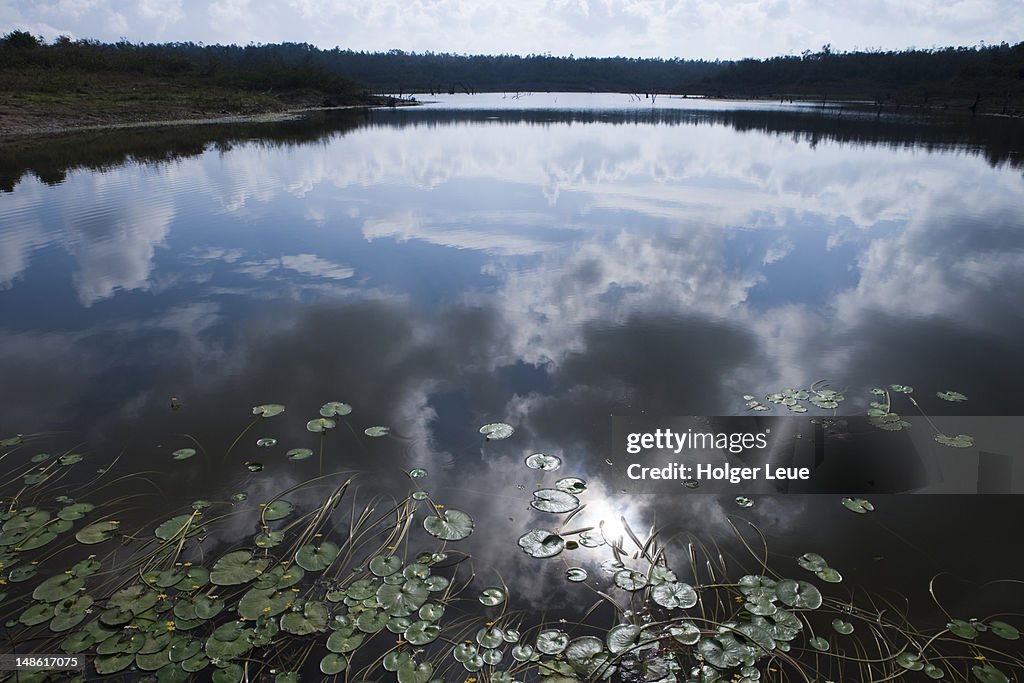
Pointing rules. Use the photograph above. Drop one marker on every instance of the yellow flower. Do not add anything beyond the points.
(438, 506)
(980, 658)
(34, 562)
(317, 535)
(266, 610)
(738, 598)
(161, 596)
(188, 564)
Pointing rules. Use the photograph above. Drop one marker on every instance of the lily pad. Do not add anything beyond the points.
(553, 500)
(541, 543)
(422, 632)
(572, 485)
(958, 441)
(279, 509)
(183, 453)
(986, 673)
(495, 431)
(798, 594)
(333, 664)
(266, 442)
(829, 575)
(812, 562)
(552, 641)
(299, 453)
(818, 643)
(1004, 630)
(962, 628)
(176, 527)
(57, 588)
(541, 461)
(953, 396)
(268, 409)
(493, 596)
(236, 568)
(312, 619)
(858, 505)
(843, 627)
(321, 424)
(744, 502)
(630, 580)
(335, 409)
(576, 574)
(315, 558)
(385, 565)
(452, 525)
(686, 633)
(674, 595)
(377, 431)
(96, 532)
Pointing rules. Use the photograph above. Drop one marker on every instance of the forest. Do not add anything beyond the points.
(981, 78)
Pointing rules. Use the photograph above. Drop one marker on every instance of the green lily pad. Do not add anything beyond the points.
(622, 637)
(385, 565)
(372, 621)
(299, 453)
(552, 641)
(829, 575)
(493, 596)
(686, 633)
(229, 674)
(75, 511)
(268, 409)
(36, 614)
(630, 580)
(744, 502)
(902, 388)
(858, 505)
(264, 602)
(798, 594)
(953, 396)
(572, 485)
(268, 539)
(314, 558)
(377, 431)
(541, 543)
(335, 408)
(722, 652)
(452, 525)
(321, 425)
(266, 442)
(112, 663)
(253, 466)
(812, 562)
(987, 673)
(674, 595)
(58, 588)
(333, 664)
(344, 640)
(843, 627)
(240, 497)
(962, 628)
(958, 441)
(176, 527)
(279, 509)
(96, 532)
(69, 459)
(422, 632)
(404, 599)
(1004, 630)
(236, 568)
(495, 431)
(542, 461)
(934, 672)
(818, 643)
(431, 612)
(183, 453)
(312, 619)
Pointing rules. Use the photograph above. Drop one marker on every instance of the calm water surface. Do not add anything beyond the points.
(543, 260)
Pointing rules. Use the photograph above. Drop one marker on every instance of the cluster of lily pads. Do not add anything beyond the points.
(321, 589)
(880, 409)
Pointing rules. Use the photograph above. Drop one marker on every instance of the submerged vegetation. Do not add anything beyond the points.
(378, 589)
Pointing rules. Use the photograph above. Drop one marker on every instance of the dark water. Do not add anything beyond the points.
(546, 264)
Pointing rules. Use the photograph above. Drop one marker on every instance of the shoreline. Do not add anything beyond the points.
(18, 129)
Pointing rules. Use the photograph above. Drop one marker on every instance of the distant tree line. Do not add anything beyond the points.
(990, 73)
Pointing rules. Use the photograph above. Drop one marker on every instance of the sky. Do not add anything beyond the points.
(712, 29)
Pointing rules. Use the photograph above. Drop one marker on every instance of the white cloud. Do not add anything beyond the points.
(687, 28)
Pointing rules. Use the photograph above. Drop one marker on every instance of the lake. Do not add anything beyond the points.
(541, 260)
